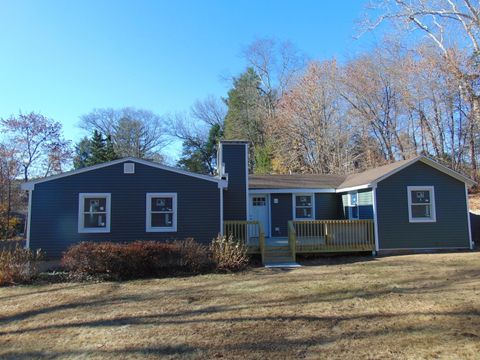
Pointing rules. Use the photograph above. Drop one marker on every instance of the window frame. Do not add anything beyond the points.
(433, 211)
(81, 213)
(148, 212)
(294, 195)
(350, 206)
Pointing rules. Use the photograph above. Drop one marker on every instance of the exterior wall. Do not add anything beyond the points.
(327, 207)
(54, 217)
(281, 213)
(235, 197)
(365, 204)
(394, 229)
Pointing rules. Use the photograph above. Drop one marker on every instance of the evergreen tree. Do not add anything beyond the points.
(94, 151)
(201, 156)
(246, 117)
(82, 153)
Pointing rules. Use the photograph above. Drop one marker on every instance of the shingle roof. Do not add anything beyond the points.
(295, 181)
(309, 181)
(368, 176)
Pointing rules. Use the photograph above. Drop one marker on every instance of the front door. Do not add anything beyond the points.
(259, 211)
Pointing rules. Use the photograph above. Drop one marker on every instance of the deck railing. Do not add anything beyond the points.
(249, 232)
(331, 235)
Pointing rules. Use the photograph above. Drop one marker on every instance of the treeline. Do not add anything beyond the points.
(415, 93)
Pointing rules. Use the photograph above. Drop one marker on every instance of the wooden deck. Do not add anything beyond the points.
(315, 236)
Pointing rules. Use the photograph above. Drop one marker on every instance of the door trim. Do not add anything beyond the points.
(269, 210)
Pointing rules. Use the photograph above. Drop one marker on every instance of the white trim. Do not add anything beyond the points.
(148, 213)
(30, 184)
(433, 214)
(294, 202)
(268, 199)
(81, 212)
(350, 206)
(29, 219)
(246, 181)
(353, 188)
(288, 191)
(375, 219)
(468, 219)
(434, 248)
(221, 212)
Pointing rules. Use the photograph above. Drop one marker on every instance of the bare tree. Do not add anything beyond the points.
(39, 144)
(134, 132)
(447, 23)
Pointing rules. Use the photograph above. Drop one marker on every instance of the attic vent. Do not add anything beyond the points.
(129, 168)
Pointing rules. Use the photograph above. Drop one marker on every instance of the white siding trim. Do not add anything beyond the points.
(221, 211)
(429, 188)
(81, 211)
(468, 219)
(360, 187)
(375, 219)
(29, 219)
(148, 227)
(431, 248)
(288, 191)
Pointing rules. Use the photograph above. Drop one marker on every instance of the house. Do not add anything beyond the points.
(407, 205)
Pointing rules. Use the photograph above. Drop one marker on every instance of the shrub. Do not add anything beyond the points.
(18, 265)
(136, 260)
(229, 254)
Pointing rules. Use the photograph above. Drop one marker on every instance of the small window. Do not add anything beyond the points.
(94, 213)
(129, 168)
(161, 212)
(421, 204)
(259, 201)
(303, 207)
(353, 212)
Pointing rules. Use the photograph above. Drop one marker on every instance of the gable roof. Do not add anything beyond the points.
(366, 178)
(31, 184)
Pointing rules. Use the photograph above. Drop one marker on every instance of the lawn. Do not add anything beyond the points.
(413, 306)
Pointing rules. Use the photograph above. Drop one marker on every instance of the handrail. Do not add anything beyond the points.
(333, 235)
(248, 232)
(292, 239)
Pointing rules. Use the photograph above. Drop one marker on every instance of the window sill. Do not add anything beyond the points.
(170, 229)
(413, 221)
(93, 231)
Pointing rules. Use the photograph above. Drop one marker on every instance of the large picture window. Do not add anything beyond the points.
(303, 206)
(161, 212)
(94, 213)
(421, 204)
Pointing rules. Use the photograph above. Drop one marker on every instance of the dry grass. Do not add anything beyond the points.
(474, 202)
(415, 307)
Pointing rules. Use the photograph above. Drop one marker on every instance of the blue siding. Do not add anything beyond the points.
(328, 206)
(281, 213)
(394, 228)
(235, 197)
(54, 219)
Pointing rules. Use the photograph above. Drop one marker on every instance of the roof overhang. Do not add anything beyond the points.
(290, 190)
(30, 185)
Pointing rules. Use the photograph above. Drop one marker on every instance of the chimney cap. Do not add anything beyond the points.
(234, 142)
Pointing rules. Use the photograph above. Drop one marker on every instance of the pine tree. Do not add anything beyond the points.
(110, 153)
(97, 149)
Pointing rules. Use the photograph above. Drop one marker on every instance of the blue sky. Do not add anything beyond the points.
(64, 58)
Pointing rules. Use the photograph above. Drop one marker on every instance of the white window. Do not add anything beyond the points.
(259, 201)
(161, 212)
(303, 205)
(353, 212)
(421, 204)
(94, 213)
